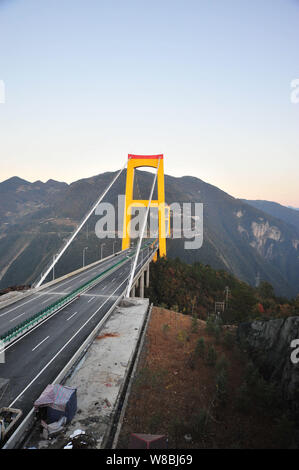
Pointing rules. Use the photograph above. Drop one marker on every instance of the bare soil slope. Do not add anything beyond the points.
(200, 399)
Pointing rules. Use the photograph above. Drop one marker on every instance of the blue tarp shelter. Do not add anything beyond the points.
(59, 401)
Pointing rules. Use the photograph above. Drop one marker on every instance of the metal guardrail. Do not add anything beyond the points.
(63, 301)
(27, 423)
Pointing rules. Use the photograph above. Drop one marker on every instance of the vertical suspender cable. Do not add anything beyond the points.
(141, 235)
(69, 241)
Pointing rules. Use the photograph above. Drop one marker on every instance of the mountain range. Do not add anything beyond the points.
(247, 238)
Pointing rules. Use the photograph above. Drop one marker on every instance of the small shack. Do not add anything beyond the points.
(57, 402)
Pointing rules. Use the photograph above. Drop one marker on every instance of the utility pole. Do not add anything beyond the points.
(257, 280)
(54, 257)
(83, 261)
(227, 292)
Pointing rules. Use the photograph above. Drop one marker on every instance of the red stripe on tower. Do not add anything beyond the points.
(152, 157)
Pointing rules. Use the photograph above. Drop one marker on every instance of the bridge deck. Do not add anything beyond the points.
(35, 359)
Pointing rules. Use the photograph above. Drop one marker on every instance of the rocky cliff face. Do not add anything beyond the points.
(269, 345)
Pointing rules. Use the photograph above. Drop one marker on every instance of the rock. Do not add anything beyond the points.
(269, 345)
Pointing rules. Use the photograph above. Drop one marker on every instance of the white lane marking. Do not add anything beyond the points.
(50, 290)
(38, 325)
(56, 293)
(47, 300)
(67, 343)
(48, 318)
(17, 317)
(90, 299)
(64, 346)
(85, 272)
(18, 306)
(40, 295)
(65, 282)
(40, 343)
(72, 316)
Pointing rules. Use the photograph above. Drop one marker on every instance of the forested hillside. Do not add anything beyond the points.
(194, 288)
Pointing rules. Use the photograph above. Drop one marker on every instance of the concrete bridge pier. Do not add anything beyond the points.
(141, 285)
(142, 281)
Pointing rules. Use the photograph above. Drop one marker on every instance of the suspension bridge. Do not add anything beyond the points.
(41, 333)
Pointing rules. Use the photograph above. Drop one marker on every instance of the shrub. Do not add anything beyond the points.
(221, 387)
(165, 329)
(200, 348)
(150, 378)
(228, 340)
(199, 424)
(191, 361)
(243, 399)
(214, 326)
(163, 305)
(177, 429)
(217, 332)
(182, 336)
(266, 397)
(194, 324)
(155, 422)
(262, 394)
(210, 325)
(252, 375)
(222, 364)
(211, 356)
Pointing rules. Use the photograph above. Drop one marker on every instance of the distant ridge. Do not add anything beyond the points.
(242, 237)
(288, 214)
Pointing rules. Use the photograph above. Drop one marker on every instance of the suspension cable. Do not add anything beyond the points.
(69, 241)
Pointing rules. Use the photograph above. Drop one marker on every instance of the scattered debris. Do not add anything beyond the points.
(53, 428)
(108, 335)
(68, 446)
(77, 432)
(14, 289)
(8, 418)
(98, 382)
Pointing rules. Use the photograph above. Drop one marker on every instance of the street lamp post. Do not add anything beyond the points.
(83, 261)
(54, 256)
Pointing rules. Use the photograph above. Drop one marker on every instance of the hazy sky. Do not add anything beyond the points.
(206, 82)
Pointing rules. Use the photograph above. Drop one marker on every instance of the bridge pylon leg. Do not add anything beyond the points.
(137, 161)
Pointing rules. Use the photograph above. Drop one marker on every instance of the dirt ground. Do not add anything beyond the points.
(173, 396)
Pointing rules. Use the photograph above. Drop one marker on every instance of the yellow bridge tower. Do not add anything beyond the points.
(137, 161)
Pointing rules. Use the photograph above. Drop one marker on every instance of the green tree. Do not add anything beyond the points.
(266, 290)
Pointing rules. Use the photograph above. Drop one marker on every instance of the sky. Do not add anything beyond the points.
(205, 82)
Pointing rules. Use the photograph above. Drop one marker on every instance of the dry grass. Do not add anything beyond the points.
(173, 397)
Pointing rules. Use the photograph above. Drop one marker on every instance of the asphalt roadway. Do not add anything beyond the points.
(17, 312)
(35, 359)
